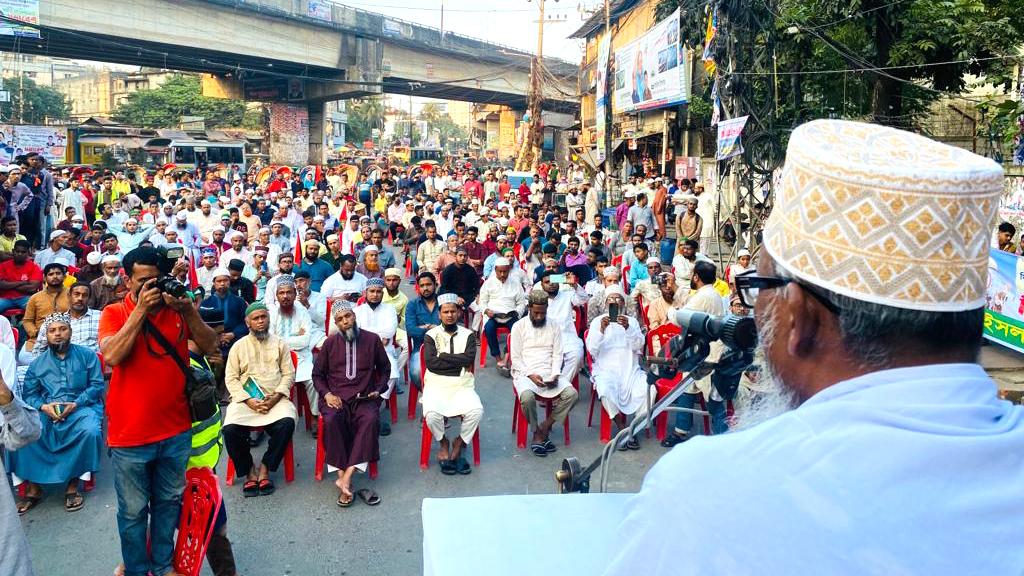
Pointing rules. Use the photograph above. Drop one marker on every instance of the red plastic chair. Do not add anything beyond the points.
(625, 281)
(414, 392)
(483, 343)
(663, 386)
(520, 425)
(289, 464)
(301, 399)
(426, 438)
(199, 506)
(321, 454)
(606, 421)
(393, 400)
(662, 334)
(617, 261)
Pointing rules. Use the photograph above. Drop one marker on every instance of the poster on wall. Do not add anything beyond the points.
(26, 11)
(289, 134)
(651, 72)
(48, 141)
(1004, 300)
(729, 143)
(319, 9)
(601, 107)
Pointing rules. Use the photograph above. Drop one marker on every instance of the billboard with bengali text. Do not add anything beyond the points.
(49, 141)
(1004, 300)
(26, 11)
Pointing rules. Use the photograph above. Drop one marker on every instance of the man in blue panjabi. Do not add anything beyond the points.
(880, 446)
(65, 385)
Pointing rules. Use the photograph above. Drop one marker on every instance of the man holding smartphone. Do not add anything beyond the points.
(148, 420)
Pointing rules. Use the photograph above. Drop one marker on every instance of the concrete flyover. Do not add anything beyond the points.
(336, 51)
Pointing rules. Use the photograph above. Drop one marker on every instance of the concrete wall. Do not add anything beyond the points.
(290, 134)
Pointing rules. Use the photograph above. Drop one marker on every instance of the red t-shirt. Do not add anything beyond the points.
(275, 186)
(146, 397)
(11, 272)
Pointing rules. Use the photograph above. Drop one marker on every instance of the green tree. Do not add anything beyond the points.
(34, 104)
(364, 114)
(180, 95)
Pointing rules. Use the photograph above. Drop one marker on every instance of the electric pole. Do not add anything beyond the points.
(607, 144)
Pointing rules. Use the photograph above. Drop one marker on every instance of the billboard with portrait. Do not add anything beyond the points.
(651, 71)
(48, 141)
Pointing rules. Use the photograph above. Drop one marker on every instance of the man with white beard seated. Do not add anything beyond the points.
(884, 448)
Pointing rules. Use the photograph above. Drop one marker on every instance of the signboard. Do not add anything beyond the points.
(49, 141)
(729, 143)
(601, 108)
(271, 89)
(1004, 300)
(24, 11)
(319, 9)
(688, 167)
(651, 72)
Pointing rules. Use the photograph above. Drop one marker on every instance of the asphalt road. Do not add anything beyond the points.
(300, 530)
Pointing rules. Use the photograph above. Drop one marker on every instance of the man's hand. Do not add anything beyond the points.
(461, 301)
(622, 321)
(373, 395)
(272, 401)
(48, 409)
(536, 379)
(604, 323)
(149, 296)
(489, 313)
(333, 401)
(69, 407)
(254, 404)
(570, 279)
(227, 338)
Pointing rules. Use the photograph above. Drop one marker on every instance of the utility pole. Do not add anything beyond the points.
(529, 151)
(442, 22)
(607, 108)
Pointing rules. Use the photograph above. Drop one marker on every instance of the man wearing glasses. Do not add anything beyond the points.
(882, 446)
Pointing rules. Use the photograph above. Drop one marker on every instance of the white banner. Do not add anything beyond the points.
(49, 141)
(26, 11)
(651, 71)
(601, 110)
(729, 143)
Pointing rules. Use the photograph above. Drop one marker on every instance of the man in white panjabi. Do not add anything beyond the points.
(536, 362)
(707, 300)
(378, 317)
(615, 347)
(449, 389)
(562, 302)
(501, 302)
(291, 322)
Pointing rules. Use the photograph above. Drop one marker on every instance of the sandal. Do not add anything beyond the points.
(369, 496)
(345, 503)
(266, 487)
(73, 502)
(633, 444)
(27, 503)
(462, 466)
(250, 489)
(672, 440)
(447, 467)
(538, 450)
(549, 446)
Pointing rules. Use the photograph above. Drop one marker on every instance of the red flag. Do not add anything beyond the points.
(298, 248)
(193, 278)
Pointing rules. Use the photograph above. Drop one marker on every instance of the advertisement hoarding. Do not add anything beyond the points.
(651, 71)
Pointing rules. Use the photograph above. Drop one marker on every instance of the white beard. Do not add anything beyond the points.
(759, 407)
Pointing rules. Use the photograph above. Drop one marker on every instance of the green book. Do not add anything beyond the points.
(253, 390)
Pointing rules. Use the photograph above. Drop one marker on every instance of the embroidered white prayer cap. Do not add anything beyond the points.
(449, 298)
(885, 216)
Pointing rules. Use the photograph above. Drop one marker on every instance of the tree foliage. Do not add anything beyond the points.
(180, 95)
(33, 104)
(364, 114)
(883, 60)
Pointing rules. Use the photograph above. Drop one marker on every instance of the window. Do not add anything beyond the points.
(184, 155)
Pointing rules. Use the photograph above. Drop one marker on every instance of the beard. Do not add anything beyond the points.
(60, 347)
(111, 280)
(450, 328)
(349, 334)
(538, 323)
(372, 267)
(260, 335)
(775, 397)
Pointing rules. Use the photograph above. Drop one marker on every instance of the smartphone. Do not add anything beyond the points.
(613, 312)
(58, 409)
(557, 278)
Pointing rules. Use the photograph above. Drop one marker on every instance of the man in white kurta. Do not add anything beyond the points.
(315, 304)
(536, 362)
(380, 318)
(500, 303)
(615, 347)
(291, 322)
(258, 375)
(563, 300)
(449, 390)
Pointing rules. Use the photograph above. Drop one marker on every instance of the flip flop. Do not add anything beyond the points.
(343, 503)
(250, 489)
(633, 444)
(538, 450)
(447, 467)
(673, 439)
(369, 496)
(27, 503)
(266, 487)
(73, 502)
(549, 446)
(462, 466)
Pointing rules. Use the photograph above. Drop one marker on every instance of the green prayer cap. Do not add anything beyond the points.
(255, 306)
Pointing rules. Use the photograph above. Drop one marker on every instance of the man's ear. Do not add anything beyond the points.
(803, 314)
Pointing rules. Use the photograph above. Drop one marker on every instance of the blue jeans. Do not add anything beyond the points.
(684, 420)
(415, 378)
(149, 481)
(491, 333)
(8, 303)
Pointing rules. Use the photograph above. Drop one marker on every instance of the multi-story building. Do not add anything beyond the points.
(43, 70)
(98, 92)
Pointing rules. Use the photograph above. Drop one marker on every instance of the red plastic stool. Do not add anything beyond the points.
(427, 439)
(199, 506)
(520, 426)
(289, 465)
(321, 454)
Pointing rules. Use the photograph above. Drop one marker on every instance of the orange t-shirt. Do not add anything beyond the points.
(146, 397)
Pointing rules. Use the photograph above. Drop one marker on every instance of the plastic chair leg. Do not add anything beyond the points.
(289, 463)
(373, 470)
(707, 419)
(321, 452)
(229, 474)
(483, 352)
(606, 427)
(523, 427)
(661, 425)
(426, 439)
(476, 448)
(516, 411)
(593, 399)
(414, 394)
(393, 405)
(90, 484)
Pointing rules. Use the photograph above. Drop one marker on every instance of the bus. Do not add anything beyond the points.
(189, 154)
(417, 155)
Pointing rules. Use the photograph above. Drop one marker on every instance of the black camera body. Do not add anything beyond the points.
(168, 284)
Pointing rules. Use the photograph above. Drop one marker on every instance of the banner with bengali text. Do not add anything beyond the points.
(26, 11)
(1004, 300)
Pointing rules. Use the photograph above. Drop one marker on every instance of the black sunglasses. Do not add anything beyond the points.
(748, 284)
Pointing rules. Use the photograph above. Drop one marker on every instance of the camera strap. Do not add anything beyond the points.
(169, 348)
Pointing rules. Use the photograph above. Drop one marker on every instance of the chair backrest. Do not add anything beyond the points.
(662, 334)
(16, 338)
(625, 280)
(199, 506)
(587, 357)
(295, 360)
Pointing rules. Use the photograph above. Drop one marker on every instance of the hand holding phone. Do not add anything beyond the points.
(613, 312)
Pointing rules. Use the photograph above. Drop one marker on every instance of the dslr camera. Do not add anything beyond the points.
(168, 284)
